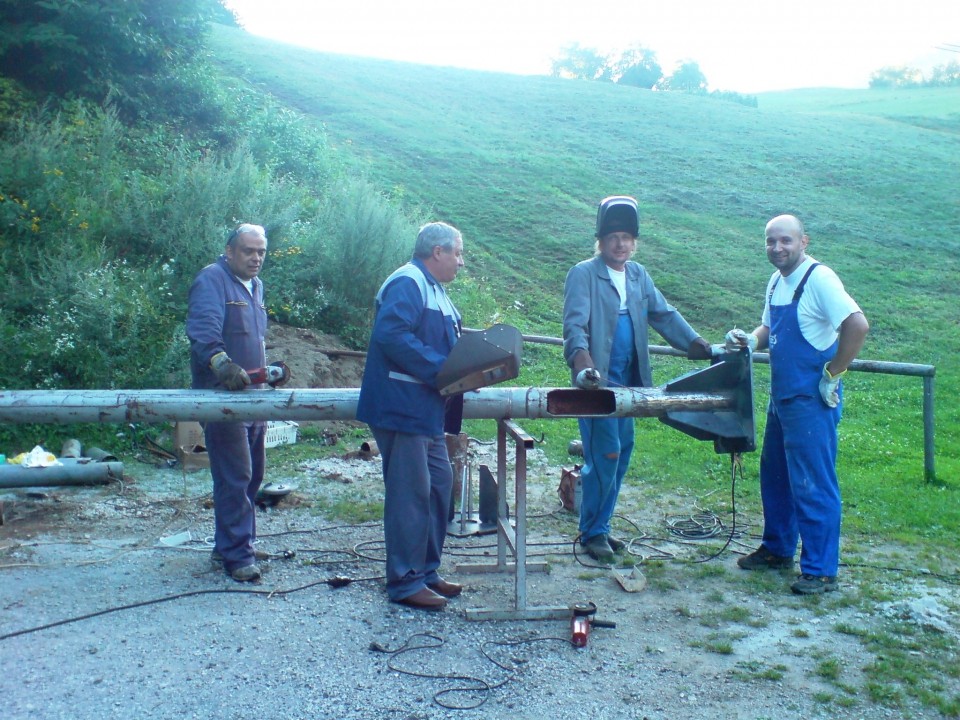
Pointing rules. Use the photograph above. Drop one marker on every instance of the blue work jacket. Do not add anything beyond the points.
(223, 316)
(415, 328)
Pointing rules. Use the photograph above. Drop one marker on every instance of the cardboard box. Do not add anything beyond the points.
(187, 434)
(192, 452)
(190, 446)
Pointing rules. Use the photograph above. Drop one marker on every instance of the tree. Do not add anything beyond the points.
(896, 77)
(947, 74)
(638, 67)
(581, 63)
(92, 49)
(686, 78)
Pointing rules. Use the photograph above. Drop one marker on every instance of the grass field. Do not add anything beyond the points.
(519, 163)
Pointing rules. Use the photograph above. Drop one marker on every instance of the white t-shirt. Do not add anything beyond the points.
(823, 306)
(619, 280)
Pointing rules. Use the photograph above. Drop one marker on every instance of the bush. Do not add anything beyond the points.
(103, 229)
(102, 324)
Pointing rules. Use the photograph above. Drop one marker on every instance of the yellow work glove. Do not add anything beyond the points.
(828, 387)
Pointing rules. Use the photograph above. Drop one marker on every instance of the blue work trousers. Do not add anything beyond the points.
(798, 483)
(417, 481)
(607, 444)
(237, 459)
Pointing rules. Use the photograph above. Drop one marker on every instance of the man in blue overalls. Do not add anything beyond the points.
(226, 322)
(814, 330)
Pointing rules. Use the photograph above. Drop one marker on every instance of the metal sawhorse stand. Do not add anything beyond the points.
(514, 539)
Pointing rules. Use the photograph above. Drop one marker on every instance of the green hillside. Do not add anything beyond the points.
(519, 164)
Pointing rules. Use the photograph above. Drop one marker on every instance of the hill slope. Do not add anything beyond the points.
(519, 164)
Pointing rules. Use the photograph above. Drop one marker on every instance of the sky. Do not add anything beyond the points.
(745, 46)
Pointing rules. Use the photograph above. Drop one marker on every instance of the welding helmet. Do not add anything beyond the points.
(617, 213)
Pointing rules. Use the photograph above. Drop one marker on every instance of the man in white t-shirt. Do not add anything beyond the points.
(814, 330)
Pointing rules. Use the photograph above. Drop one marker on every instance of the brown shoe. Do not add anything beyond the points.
(424, 599)
(447, 589)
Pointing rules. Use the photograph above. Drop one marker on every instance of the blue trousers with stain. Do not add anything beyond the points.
(237, 460)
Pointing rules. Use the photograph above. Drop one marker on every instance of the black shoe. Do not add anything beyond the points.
(763, 559)
(813, 585)
(599, 549)
(615, 544)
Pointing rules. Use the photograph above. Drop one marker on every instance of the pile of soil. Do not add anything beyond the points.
(315, 360)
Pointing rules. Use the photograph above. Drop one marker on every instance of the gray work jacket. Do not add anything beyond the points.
(591, 305)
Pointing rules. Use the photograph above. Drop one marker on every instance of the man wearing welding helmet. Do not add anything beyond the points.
(609, 304)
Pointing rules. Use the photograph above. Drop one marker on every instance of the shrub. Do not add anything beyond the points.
(102, 324)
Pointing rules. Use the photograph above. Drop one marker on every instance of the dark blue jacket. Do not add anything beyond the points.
(415, 328)
(223, 316)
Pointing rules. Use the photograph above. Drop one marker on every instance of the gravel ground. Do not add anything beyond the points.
(138, 629)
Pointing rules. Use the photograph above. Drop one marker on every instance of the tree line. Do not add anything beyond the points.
(637, 66)
(945, 75)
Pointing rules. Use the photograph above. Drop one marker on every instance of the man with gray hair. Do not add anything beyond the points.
(415, 328)
(226, 324)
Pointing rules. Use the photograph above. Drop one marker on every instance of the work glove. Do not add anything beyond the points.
(588, 379)
(738, 339)
(828, 387)
(699, 350)
(228, 373)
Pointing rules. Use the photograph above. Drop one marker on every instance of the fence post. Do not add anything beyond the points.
(929, 472)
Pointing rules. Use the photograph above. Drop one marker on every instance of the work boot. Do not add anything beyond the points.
(763, 559)
(599, 549)
(813, 585)
(247, 573)
(615, 544)
(216, 559)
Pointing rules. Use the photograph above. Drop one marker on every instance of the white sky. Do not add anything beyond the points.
(746, 46)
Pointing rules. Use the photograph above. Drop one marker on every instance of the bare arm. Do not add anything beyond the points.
(763, 336)
(853, 332)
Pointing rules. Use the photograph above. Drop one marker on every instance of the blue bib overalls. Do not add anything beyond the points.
(602, 475)
(798, 477)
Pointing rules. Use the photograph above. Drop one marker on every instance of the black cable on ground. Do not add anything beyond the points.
(949, 579)
(478, 685)
(334, 582)
(735, 466)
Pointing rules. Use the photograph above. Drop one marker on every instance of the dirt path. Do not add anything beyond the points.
(702, 640)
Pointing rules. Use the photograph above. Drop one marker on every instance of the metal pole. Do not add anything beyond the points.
(927, 372)
(68, 472)
(929, 471)
(150, 406)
